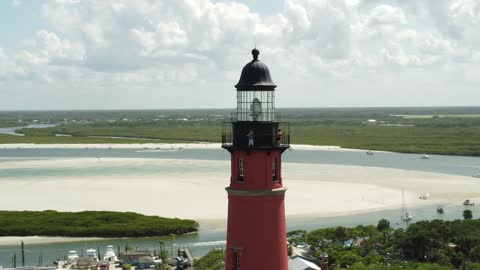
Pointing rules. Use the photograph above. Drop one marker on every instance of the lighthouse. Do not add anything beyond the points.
(256, 230)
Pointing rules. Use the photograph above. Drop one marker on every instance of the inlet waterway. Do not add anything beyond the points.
(210, 236)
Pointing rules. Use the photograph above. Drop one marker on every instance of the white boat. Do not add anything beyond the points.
(405, 214)
(468, 203)
(425, 157)
(72, 257)
(110, 255)
(424, 196)
(369, 152)
(92, 254)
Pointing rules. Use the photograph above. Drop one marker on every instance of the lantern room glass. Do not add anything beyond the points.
(255, 106)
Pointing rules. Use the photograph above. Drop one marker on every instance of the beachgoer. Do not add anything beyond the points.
(278, 137)
(250, 138)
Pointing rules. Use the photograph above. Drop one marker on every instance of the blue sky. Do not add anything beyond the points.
(19, 22)
(126, 54)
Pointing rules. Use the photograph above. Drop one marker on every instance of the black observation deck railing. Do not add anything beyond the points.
(269, 115)
(264, 135)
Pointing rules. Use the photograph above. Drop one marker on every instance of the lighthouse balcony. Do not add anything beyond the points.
(256, 135)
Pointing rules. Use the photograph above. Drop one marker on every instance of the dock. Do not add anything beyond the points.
(184, 252)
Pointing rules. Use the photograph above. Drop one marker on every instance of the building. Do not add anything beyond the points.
(256, 231)
(299, 263)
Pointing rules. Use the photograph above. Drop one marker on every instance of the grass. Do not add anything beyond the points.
(455, 132)
(446, 141)
(428, 116)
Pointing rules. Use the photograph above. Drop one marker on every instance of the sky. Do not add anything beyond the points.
(167, 54)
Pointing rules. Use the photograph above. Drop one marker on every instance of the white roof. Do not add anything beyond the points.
(301, 264)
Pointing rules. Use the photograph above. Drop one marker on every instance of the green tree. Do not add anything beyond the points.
(383, 226)
(347, 259)
(475, 254)
(297, 236)
(214, 260)
(467, 214)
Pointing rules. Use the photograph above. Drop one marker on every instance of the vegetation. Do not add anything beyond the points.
(214, 260)
(423, 245)
(90, 224)
(467, 214)
(450, 131)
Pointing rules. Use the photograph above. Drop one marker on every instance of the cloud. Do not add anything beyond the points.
(162, 46)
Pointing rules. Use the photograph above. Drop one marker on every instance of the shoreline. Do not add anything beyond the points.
(165, 146)
(314, 190)
(205, 224)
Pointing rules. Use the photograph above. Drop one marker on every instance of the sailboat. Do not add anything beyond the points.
(405, 215)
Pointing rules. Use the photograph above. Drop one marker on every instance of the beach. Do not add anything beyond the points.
(198, 193)
(158, 146)
(195, 189)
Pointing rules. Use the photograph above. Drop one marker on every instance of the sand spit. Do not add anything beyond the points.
(159, 146)
(198, 193)
(195, 188)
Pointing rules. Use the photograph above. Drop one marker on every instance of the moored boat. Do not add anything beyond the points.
(92, 254)
(72, 257)
(110, 254)
(468, 202)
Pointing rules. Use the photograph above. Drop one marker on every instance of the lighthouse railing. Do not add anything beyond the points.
(264, 135)
(269, 116)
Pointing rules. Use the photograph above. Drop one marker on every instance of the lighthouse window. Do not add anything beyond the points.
(255, 106)
(240, 170)
(236, 261)
(274, 170)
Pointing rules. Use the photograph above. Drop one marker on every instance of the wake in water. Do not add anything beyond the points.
(156, 150)
(209, 243)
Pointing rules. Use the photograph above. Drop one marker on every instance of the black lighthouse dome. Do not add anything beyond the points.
(255, 76)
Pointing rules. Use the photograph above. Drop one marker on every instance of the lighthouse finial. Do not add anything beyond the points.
(255, 53)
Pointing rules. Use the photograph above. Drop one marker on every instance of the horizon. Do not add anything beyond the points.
(278, 108)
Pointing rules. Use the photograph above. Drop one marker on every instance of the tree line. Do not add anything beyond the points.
(90, 224)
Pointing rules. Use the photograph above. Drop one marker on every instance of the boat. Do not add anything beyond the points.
(468, 202)
(425, 157)
(440, 210)
(405, 214)
(424, 196)
(369, 152)
(72, 257)
(92, 254)
(110, 254)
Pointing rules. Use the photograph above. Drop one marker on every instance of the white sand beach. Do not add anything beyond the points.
(314, 190)
(152, 146)
(198, 193)
(14, 240)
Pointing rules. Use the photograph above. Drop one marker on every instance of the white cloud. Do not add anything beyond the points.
(167, 49)
(16, 2)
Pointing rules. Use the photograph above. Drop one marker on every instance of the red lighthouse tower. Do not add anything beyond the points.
(256, 231)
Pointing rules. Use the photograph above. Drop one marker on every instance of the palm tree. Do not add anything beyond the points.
(383, 226)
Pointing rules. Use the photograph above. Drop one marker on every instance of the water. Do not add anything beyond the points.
(455, 165)
(12, 130)
(209, 237)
